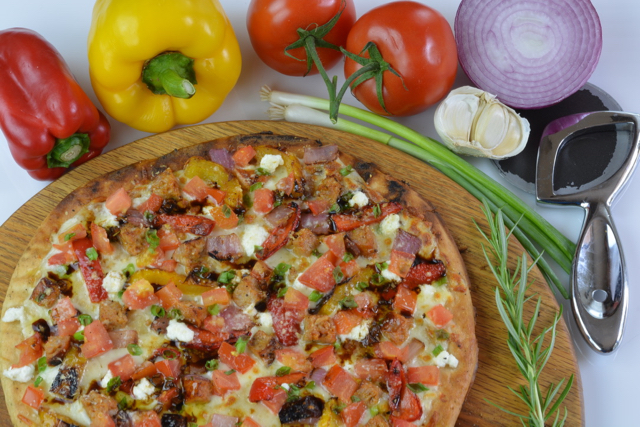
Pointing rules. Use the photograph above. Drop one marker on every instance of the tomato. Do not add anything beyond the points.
(139, 295)
(147, 369)
(241, 362)
(263, 200)
(119, 202)
(224, 217)
(147, 419)
(371, 214)
(325, 356)
(371, 369)
(168, 239)
(349, 269)
(67, 327)
(152, 204)
(168, 367)
(273, 25)
(410, 406)
(319, 206)
(352, 413)
(439, 315)
(169, 295)
(286, 322)
(91, 270)
(250, 422)
(63, 310)
(427, 375)
(198, 225)
(320, 275)
(405, 300)
(100, 239)
(123, 367)
(345, 321)
(296, 360)
(96, 340)
(423, 273)
(102, 420)
(387, 350)
(244, 155)
(30, 351)
(401, 262)
(275, 404)
(295, 300)
(33, 397)
(65, 256)
(216, 296)
(399, 422)
(340, 383)
(76, 232)
(418, 43)
(222, 382)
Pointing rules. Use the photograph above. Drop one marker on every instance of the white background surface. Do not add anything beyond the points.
(610, 383)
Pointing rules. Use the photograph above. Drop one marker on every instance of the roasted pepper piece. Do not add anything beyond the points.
(233, 197)
(161, 277)
(291, 163)
(49, 122)
(154, 66)
(210, 172)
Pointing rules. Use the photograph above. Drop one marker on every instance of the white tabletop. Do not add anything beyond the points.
(610, 382)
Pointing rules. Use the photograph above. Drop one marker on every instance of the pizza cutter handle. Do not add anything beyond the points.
(599, 281)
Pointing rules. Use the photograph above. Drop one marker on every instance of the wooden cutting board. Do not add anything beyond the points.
(496, 367)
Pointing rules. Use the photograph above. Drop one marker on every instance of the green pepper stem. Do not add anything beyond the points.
(67, 150)
(170, 73)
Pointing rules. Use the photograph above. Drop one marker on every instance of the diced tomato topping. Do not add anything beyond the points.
(96, 340)
(243, 156)
(335, 242)
(139, 295)
(371, 369)
(100, 239)
(224, 217)
(405, 300)
(216, 296)
(276, 402)
(286, 323)
(166, 265)
(215, 325)
(287, 184)
(91, 270)
(263, 199)
(318, 206)
(168, 395)
(169, 295)
(439, 315)
(349, 269)
(76, 232)
(118, 203)
(320, 275)
(63, 310)
(365, 304)
(123, 367)
(222, 383)
(265, 388)
(371, 214)
(296, 360)
(323, 357)
(427, 375)
(30, 351)
(68, 327)
(340, 383)
(423, 273)
(250, 422)
(170, 368)
(387, 350)
(401, 262)
(33, 397)
(147, 419)
(196, 188)
(240, 362)
(168, 239)
(198, 225)
(218, 196)
(399, 422)
(352, 413)
(101, 419)
(65, 256)
(410, 406)
(396, 383)
(152, 204)
(147, 369)
(295, 300)
(345, 321)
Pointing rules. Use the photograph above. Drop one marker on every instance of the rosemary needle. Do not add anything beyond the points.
(528, 350)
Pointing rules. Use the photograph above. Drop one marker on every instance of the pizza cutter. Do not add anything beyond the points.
(598, 277)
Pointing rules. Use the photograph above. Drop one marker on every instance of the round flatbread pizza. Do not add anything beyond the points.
(254, 280)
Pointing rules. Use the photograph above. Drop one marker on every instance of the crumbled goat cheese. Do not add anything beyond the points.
(390, 275)
(390, 224)
(103, 217)
(23, 375)
(12, 314)
(270, 162)
(107, 377)
(143, 390)
(446, 359)
(113, 282)
(358, 333)
(178, 331)
(254, 235)
(359, 199)
(265, 319)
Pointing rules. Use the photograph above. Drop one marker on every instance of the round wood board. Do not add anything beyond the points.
(496, 367)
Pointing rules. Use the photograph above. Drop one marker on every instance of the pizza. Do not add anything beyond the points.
(254, 280)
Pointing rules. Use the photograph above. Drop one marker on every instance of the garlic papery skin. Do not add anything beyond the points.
(473, 122)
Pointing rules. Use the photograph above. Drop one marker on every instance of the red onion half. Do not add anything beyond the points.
(530, 53)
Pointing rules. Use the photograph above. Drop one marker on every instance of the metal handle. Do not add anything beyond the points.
(599, 282)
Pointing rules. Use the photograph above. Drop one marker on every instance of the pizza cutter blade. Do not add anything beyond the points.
(598, 278)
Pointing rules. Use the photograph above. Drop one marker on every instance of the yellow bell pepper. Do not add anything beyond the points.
(158, 63)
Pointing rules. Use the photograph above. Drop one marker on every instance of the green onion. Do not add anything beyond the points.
(256, 186)
(85, 319)
(152, 239)
(335, 208)
(377, 211)
(38, 380)
(129, 270)
(310, 385)
(282, 291)
(226, 211)
(355, 398)
(348, 302)
(417, 387)
(337, 274)
(42, 364)
(170, 354)
(361, 286)
(113, 384)
(257, 248)
(91, 253)
(176, 314)
(532, 228)
(214, 309)
(149, 216)
(281, 372)
(441, 281)
(211, 365)
(348, 256)
(227, 276)
(134, 349)
(281, 269)
(315, 296)
(241, 344)
(69, 236)
(262, 172)
(346, 170)
(79, 336)
(157, 311)
(247, 201)
(436, 351)
(442, 335)
(229, 372)
(374, 411)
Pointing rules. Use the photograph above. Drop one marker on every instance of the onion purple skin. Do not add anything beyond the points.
(491, 41)
(562, 123)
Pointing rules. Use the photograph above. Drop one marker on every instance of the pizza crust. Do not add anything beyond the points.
(445, 409)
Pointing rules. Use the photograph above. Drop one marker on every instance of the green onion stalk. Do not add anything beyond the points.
(531, 227)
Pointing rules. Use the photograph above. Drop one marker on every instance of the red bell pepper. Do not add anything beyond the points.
(48, 120)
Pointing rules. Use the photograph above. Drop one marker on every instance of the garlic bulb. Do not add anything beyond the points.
(473, 122)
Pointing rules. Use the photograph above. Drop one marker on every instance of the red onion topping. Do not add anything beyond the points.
(318, 375)
(225, 248)
(318, 224)
(562, 123)
(530, 53)
(223, 421)
(280, 215)
(123, 338)
(406, 242)
(412, 349)
(324, 154)
(135, 217)
(222, 157)
(235, 320)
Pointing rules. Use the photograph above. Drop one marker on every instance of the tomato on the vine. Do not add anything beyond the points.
(273, 26)
(418, 43)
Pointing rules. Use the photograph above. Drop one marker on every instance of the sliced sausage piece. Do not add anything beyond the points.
(364, 238)
(248, 292)
(189, 253)
(159, 325)
(133, 238)
(46, 293)
(396, 328)
(113, 315)
(192, 312)
(66, 382)
(123, 338)
(329, 190)
(96, 403)
(261, 272)
(319, 328)
(264, 346)
(197, 389)
(56, 348)
(305, 242)
(369, 393)
(166, 185)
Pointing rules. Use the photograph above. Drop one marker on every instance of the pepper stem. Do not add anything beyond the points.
(170, 73)
(67, 150)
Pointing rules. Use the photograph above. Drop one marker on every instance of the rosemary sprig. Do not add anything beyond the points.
(528, 350)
